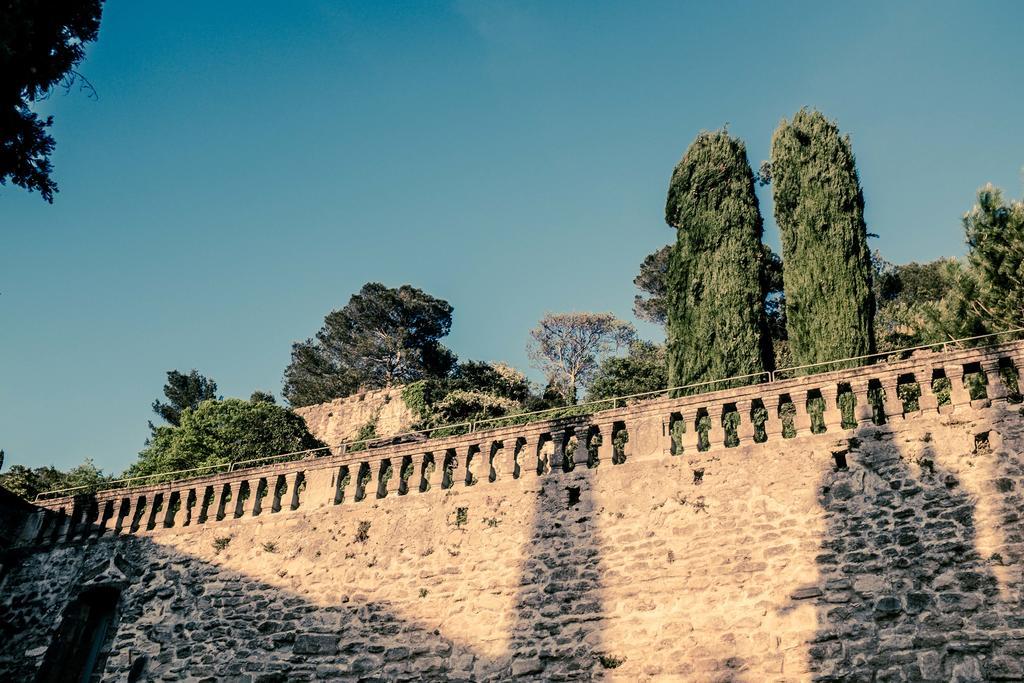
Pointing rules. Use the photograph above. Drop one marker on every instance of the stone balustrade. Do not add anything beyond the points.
(656, 428)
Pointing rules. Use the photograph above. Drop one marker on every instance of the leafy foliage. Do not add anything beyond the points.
(716, 317)
(819, 208)
(496, 379)
(476, 390)
(643, 369)
(995, 236)
(912, 301)
(652, 280)
(29, 482)
(42, 42)
(220, 432)
(568, 347)
(183, 391)
(382, 337)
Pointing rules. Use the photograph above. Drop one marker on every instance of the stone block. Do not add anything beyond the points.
(315, 644)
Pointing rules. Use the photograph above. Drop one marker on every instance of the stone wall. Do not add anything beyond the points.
(888, 551)
(341, 419)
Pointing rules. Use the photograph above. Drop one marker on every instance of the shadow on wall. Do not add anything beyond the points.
(178, 614)
(910, 591)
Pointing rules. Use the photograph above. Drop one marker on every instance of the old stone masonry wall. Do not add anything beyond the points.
(888, 553)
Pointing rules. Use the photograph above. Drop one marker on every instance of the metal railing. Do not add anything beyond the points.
(577, 410)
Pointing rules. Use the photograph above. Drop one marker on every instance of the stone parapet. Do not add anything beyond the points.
(640, 431)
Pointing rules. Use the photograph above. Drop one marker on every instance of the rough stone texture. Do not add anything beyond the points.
(341, 419)
(774, 564)
(905, 566)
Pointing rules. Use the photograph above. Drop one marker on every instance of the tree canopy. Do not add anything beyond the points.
(42, 42)
(220, 432)
(819, 208)
(652, 281)
(642, 370)
(567, 347)
(28, 482)
(183, 391)
(716, 297)
(995, 237)
(380, 338)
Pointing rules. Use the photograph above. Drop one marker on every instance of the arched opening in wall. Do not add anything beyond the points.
(362, 479)
(1011, 379)
(449, 464)
(975, 381)
(545, 450)
(260, 495)
(730, 425)
(77, 513)
(174, 504)
(426, 471)
(620, 437)
(106, 515)
(92, 514)
(758, 417)
(472, 463)
(189, 504)
(405, 475)
(908, 391)
(202, 510)
(149, 522)
(942, 388)
(876, 397)
(341, 482)
(492, 451)
(787, 415)
(572, 447)
(703, 429)
(593, 442)
(45, 526)
(676, 428)
(78, 650)
(384, 474)
(138, 514)
(847, 402)
(816, 410)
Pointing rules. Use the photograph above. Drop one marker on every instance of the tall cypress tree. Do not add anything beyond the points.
(716, 321)
(819, 208)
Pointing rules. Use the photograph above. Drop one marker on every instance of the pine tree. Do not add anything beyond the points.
(716, 320)
(819, 208)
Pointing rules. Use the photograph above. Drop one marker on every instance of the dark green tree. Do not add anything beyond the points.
(819, 208)
(643, 369)
(495, 379)
(220, 432)
(652, 304)
(995, 237)
(382, 337)
(716, 317)
(40, 45)
(183, 391)
(28, 482)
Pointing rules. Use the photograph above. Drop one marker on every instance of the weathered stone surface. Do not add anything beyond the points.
(775, 566)
(315, 644)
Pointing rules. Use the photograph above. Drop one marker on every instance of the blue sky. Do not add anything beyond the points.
(248, 166)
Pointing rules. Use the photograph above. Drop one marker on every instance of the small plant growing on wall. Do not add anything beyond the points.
(364, 478)
(363, 532)
(270, 547)
(407, 471)
(609, 661)
(221, 543)
(423, 592)
(461, 516)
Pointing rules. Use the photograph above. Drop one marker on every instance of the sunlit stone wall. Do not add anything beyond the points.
(885, 552)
